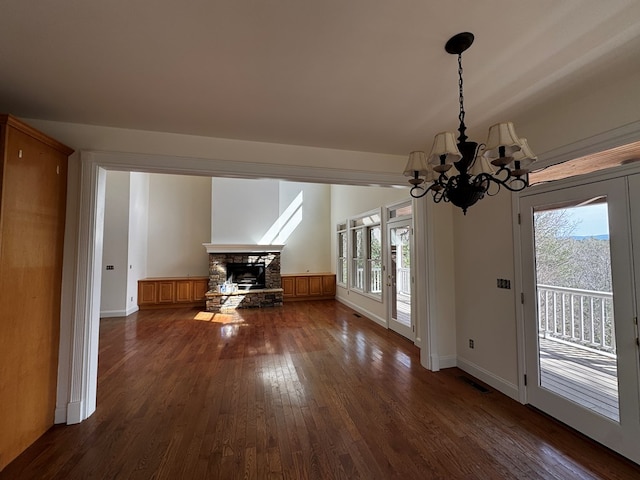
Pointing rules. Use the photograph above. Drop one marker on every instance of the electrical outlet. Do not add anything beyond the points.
(504, 283)
(471, 344)
(109, 267)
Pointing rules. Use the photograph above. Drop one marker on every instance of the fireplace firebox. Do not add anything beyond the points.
(248, 276)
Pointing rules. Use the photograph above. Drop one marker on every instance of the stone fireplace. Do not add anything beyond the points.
(257, 274)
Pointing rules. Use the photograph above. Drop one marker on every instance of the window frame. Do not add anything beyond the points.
(361, 226)
(342, 261)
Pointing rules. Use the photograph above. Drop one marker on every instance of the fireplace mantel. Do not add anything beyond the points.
(241, 248)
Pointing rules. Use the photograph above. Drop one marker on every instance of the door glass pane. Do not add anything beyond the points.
(401, 274)
(576, 337)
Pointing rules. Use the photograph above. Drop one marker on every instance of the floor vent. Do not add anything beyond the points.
(474, 384)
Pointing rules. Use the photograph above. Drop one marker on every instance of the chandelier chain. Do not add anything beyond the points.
(462, 128)
(462, 112)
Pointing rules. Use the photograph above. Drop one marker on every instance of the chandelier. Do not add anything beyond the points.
(502, 162)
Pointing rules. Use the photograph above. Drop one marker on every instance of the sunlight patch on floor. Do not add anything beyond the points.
(223, 318)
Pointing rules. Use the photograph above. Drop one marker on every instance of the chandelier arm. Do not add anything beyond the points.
(417, 188)
(431, 188)
(439, 197)
(517, 184)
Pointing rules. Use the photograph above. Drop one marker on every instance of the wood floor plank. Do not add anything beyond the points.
(303, 391)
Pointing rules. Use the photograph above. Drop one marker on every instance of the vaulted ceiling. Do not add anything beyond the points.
(350, 74)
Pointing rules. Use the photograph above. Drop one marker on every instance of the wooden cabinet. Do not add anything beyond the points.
(329, 285)
(309, 286)
(302, 286)
(33, 180)
(200, 288)
(166, 292)
(315, 285)
(147, 293)
(172, 292)
(288, 286)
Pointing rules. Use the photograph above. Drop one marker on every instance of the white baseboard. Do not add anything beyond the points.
(448, 361)
(379, 320)
(500, 384)
(118, 313)
(112, 313)
(60, 415)
(74, 413)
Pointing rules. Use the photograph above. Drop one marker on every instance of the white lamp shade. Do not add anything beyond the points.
(417, 163)
(482, 165)
(445, 144)
(502, 135)
(525, 156)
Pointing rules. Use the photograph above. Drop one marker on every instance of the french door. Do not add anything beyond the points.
(580, 325)
(399, 277)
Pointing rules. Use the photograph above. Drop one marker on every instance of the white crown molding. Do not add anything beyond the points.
(234, 169)
(241, 248)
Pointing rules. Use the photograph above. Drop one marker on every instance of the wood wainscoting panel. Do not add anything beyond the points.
(184, 289)
(200, 288)
(309, 286)
(170, 292)
(147, 293)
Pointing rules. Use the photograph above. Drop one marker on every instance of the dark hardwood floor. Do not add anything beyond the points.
(305, 391)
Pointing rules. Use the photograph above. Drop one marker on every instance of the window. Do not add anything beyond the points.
(366, 254)
(341, 253)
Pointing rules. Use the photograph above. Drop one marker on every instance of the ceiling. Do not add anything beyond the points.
(358, 75)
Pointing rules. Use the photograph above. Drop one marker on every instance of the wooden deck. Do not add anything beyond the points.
(585, 377)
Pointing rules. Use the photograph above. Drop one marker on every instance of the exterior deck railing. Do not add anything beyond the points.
(583, 317)
(403, 280)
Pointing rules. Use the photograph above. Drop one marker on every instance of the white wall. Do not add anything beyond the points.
(115, 251)
(125, 242)
(179, 223)
(267, 211)
(243, 210)
(445, 296)
(138, 235)
(308, 243)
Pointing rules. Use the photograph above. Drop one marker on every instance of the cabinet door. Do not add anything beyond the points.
(146, 293)
(329, 285)
(200, 288)
(315, 286)
(166, 293)
(302, 286)
(289, 286)
(184, 290)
